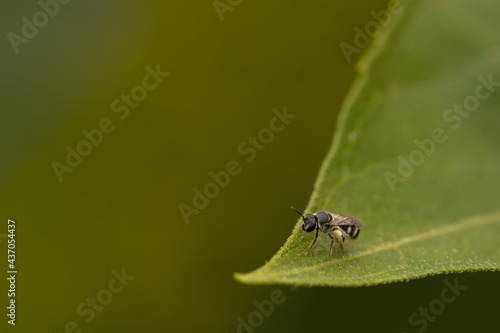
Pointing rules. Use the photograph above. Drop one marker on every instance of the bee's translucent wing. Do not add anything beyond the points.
(345, 220)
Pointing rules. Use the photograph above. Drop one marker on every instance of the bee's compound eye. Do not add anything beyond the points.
(309, 223)
(304, 226)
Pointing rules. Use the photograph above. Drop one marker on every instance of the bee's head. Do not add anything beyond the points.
(309, 221)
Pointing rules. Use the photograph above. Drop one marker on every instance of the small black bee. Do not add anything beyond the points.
(337, 226)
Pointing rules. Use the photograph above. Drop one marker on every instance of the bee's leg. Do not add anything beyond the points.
(331, 246)
(340, 238)
(314, 241)
(342, 244)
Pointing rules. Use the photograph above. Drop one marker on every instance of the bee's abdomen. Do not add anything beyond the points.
(351, 230)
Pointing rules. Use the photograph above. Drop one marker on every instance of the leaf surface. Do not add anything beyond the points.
(415, 156)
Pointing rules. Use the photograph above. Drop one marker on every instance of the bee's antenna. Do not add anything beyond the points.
(298, 212)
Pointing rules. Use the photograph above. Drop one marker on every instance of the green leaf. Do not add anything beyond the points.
(415, 157)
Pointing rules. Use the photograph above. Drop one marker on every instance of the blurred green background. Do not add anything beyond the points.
(119, 207)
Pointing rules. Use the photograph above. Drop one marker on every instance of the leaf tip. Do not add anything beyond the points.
(240, 277)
